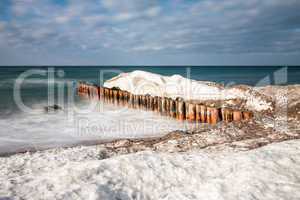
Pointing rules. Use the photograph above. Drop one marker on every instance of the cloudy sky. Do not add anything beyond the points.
(149, 32)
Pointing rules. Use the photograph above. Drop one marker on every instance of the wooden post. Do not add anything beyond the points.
(180, 110)
(167, 102)
(89, 91)
(126, 98)
(101, 92)
(151, 103)
(215, 113)
(121, 97)
(111, 95)
(247, 115)
(223, 114)
(115, 97)
(203, 113)
(93, 91)
(208, 115)
(228, 115)
(79, 88)
(155, 104)
(198, 113)
(191, 115)
(164, 106)
(131, 100)
(136, 101)
(159, 105)
(237, 115)
(141, 101)
(147, 102)
(172, 108)
(144, 101)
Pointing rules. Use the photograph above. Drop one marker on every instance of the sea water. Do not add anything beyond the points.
(74, 124)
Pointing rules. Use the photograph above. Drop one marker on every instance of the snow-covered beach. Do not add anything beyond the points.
(270, 172)
(258, 159)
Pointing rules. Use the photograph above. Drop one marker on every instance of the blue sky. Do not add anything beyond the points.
(149, 32)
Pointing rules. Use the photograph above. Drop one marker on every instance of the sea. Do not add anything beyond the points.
(26, 91)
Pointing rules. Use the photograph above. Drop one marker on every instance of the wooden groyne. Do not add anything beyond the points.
(178, 108)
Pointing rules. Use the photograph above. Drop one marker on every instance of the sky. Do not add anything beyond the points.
(149, 32)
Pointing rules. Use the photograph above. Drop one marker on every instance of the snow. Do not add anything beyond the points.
(141, 82)
(271, 172)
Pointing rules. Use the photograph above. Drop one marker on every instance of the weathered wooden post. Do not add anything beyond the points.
(208, 115)
(121, 97)
(180, 109)
(172, 108)
(131, 100)
(228, 115)
(167, 102)
(136, 101)
(128, 99)
(115, 97)
(215, 113)
(94, 94)
(104, 94)
(191, 115)
(159, 105)
(164, 106)
(79, 88)
(144, 102)
(198, 113)
(110, 95)
(155, 104)
(147, 102)
(237, 115)
(139, 104)
(203, 113)
(88, 91)
(100, 92)
(150, 103)
(247, 115)
(82, 87)
(223, 114)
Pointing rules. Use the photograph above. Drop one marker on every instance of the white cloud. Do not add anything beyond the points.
(140, 25)
(93, 19)
(153, 11)
(124, 16)
(2, 26)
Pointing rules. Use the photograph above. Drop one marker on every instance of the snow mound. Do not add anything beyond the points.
(271, 172)
(141, 82)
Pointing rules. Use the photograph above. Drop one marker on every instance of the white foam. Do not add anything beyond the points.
(42, 130)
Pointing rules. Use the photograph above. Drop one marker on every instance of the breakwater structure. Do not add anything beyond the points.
(180, 109)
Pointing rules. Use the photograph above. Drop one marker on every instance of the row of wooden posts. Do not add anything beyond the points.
(175, 108)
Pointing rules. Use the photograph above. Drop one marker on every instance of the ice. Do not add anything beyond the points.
(271, 172)
(141, 82)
